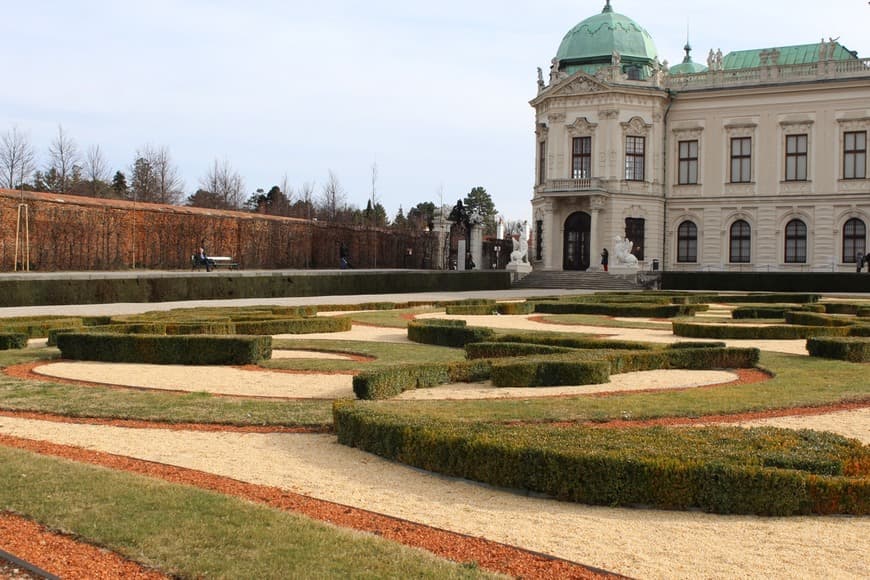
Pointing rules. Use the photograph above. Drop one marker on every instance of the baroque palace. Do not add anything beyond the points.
(756, 161)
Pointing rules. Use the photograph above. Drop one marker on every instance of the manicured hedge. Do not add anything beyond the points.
(843, 307)
(217, 326)
(764, 471)
(478, 350)
(515, 308)
(772, 311)
(129, 328)
(533, 372)
(38, 326)
(775, 332)
(767, 298)
(157, 349)
(814, 319)
(619, 309)
(573, 341)
(294, 326)
(849, 349)
(471, 309)
(12, 340)
(392, 381)
(678, 345)
(453, 333)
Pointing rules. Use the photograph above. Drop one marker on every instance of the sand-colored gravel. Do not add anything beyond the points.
(854, 423)
(639, 543)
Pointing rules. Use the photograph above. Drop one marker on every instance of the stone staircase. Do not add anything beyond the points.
(559, 279)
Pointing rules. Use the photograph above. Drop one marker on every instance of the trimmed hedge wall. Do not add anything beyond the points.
(767, 298)
(392, 381)
(454, 333)
(12, 340)
(764, 471)
(478, 350)
(294, 326)
(38, 326)
(534, 372)
(471, 309)
(772, 311)
(158, 349)
(573, 341)
(637, 310)
(849, 349)
(814, 319)
(775, 332)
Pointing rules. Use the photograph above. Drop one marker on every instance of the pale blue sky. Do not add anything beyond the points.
(435, 93)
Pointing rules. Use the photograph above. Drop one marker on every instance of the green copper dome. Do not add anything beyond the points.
(688, 66)
(591, 44)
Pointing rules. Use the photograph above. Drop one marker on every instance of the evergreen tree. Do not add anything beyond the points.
(119, 184)
(400, 221)
(480, 201)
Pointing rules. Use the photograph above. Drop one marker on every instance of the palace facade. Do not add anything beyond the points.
(755, 162)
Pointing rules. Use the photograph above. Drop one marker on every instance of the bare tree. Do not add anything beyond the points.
(17, 159)
(225, 184)
(306, 200)
(63, 162)
(168, 182)
(96, 171)
(287, 190)
(154, 178)
(332, 197)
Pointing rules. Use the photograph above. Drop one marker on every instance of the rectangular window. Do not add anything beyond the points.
(539, 240)
(635, 232)
(855, 155)
(581, 158)
(688, 174)
(635, 152)
(542, 162)
(741, 160)
(795, 157)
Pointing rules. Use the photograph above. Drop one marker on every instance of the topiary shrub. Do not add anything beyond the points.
(515, 308)
(157, 349)
(389, 382)
(534, 372)
(12, 340)
(772, 311)
(573, 341)
(636, 310)
(848, 349)
(478, 350)
(454, 333)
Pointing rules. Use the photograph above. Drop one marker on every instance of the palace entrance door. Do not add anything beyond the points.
(577, 228)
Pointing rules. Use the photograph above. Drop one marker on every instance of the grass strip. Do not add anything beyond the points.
(194, 533)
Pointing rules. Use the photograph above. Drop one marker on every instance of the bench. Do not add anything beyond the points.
(215, 262)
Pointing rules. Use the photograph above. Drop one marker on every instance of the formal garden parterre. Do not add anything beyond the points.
(559, 446)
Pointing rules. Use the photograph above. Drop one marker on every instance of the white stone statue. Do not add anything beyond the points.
(616, 58)
(622, 249)
(719, 65)
(520, 252)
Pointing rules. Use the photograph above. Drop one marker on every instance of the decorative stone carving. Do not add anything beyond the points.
(636, 126)
(854, 123)
(581, 127)
(556, 117)
(542, 130)
(622, 249)
(608, 113)
(687, 134)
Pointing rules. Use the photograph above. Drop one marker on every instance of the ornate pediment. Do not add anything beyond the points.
(577, 84)
(581, 127)
(636, 126)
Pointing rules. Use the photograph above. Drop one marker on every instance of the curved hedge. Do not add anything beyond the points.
(815, 319)
(389, 382)
(294, 326)
(573, 341)
(454, 333)
(764, 471)
(775, 332)
(772, 311)
(160, 349)
(766, 298)
(849, 349)
(502, 349)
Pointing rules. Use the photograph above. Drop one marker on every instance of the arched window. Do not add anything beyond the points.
(687, 242)
(796, 242)
(741, 242)
(854, 240)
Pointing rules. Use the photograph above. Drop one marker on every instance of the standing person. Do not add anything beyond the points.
(344, 256)
(605, 258)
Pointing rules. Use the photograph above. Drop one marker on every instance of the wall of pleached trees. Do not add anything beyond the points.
(72, 233)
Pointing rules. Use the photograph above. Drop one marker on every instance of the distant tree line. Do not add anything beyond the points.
(153, 177)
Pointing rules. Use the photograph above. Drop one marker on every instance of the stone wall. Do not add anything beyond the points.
(81, 233)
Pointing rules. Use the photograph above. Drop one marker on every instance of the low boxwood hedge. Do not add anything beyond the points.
(471, 309)
(677, 345)
(764, 471)
(549, 372)
(217, 326)
(515, 308)
(774, 332)
(478, 350)
(816, 319)
(849, 349)
(389, 382)
(12, 340)
(38, 326)
(573, 341)
(454, 333)
(294, 326)
(159, 349)
(772, 311)
(766, 298)
(631, 310)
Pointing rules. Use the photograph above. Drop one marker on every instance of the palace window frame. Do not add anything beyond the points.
(855, 155)
(740, 242)
(635, 158)
(797, 157)
(581, 157)
(741, 159)
(796, 242)
(687, 242)
(687, 173)
(854, 240)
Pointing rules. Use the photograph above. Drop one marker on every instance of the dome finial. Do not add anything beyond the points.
(688, 47)
(607, 7)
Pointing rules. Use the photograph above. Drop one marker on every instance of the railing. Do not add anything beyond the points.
(588, 184)
(831, 69)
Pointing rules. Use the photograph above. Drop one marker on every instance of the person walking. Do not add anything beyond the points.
(605, 258)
